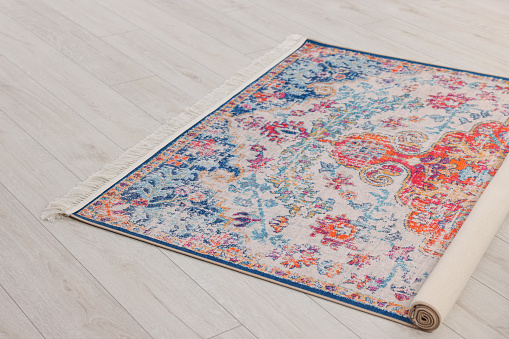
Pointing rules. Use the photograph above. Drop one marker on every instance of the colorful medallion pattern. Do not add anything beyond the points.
(337, 172)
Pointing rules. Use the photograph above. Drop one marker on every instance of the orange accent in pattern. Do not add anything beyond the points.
(435, 189)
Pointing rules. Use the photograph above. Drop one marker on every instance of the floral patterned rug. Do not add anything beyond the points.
(336, 172)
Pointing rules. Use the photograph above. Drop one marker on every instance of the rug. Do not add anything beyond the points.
(336, 172)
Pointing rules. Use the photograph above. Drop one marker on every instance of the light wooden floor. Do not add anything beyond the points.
(83, 80)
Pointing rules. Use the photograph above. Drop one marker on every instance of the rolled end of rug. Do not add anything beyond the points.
(425, 317)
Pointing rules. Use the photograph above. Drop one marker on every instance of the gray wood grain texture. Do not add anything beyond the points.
(167, 62)
(235, 333)
(13, 322)
(92, 17)
(156, 97)
(59, 296)
(89, 51)
(82, 80)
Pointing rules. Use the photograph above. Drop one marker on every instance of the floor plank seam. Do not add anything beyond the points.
(81, 26)
(85, 42)
(129, 81)
(76, 259)
(431, 33)
(489, 287)
(231, 329)
(500, 238)
(14, 301)
(62, 102)
(165, 253)
(327, 311)
(78, 179)
(232, 46)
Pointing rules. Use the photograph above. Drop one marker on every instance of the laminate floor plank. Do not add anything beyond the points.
(271, 23)
(156, 97)
(227, 29)
(161, 296)
(479, 313)
(101, 106)
(345, 33)
(267, 310)
(91, 16)
(348, 10)
(473, 13)
(77, 144)
(191, 77)
(144, 281)
(90, 52)
(497, 8)
(442, 25)
(59, 296)
(29, 171)
(226, 5)
(236, 333)
(438, 47)
(13, 322)
(503, 232)
(203, 48)
(493, 270)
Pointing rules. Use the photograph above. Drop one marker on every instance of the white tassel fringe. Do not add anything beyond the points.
(109, 174)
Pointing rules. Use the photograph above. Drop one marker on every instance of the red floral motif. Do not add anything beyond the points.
(284, 131)
(360, 260)
(393, 123)
(197, 196)
(448, 101)
(371, 283)
(177, 160)
(339, 181)
(323, 106)
(294, 256)
(487, 96)
(503, 108)
(398, 252)
(204, 147)
(337, 231)
(451, 82)
(263, 97)
(298, 113)
(259, 161)
(250, 122)
(505, 90)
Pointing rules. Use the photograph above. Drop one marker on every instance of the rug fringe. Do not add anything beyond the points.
(111, 173)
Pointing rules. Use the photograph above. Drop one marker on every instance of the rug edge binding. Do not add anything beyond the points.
(87, 190)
